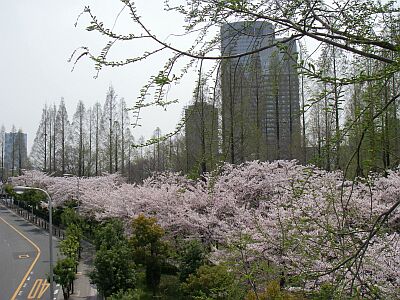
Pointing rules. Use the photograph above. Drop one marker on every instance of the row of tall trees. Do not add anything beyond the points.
(351, 112)
(95, 140)
(348, 122)
(348, 94)
(99, 139)
(341, 129)
(348, 125)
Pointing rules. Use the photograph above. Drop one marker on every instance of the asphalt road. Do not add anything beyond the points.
(24, 259)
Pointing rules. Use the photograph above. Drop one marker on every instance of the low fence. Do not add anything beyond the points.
(32, 218)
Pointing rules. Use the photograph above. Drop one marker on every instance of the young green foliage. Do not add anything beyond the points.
(64, 274)
(148, 248)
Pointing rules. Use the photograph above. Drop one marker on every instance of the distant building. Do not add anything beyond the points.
(15, 152)
(260, 94)
(201, 136)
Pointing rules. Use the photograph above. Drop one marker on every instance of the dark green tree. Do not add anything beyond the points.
(69, 216)
(128, 295)
(212, 282)
(64, 274)
(71, 245)
(109, 234)
(148, 248)
(114, 269)
(31, 198)
(191, 258)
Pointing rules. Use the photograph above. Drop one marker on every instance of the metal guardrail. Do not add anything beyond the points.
(32, 218)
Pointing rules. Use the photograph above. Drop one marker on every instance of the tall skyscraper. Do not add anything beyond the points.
(201, 135)
(15, 152)
(260, 94)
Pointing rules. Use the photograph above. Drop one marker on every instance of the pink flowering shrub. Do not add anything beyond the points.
(313, 225)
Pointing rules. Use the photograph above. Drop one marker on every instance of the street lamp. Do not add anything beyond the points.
(21, 190)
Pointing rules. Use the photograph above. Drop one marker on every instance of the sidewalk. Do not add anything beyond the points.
(82, 287)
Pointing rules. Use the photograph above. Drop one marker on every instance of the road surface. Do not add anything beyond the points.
(24, 259)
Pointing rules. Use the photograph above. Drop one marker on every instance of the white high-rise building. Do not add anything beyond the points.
(15, 152)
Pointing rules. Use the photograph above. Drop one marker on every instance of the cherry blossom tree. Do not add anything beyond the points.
(311, 227)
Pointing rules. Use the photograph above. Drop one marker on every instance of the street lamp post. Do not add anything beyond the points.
(22, 189)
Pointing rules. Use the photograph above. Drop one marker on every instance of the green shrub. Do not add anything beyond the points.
(135, 294)
(212, 282)
(114, 269)
(273, 291)
(191, 258)
(170, 287)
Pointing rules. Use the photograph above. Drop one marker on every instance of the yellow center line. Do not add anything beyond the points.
(31, 266)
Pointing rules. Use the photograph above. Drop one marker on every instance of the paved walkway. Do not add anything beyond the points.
(82, 287)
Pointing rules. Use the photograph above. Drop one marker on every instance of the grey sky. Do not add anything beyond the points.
(39, 36)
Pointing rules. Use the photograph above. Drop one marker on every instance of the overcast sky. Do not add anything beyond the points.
(39, 36)
(37, 39)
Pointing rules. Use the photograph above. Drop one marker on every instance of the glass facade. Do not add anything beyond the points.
(260, 94)
(15, 152)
